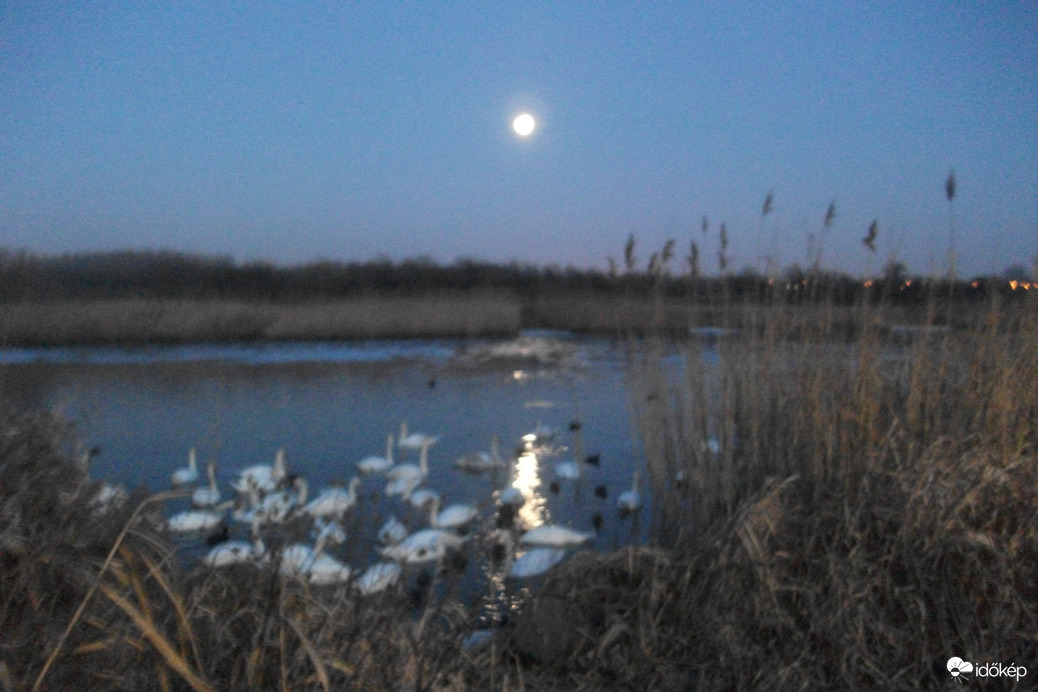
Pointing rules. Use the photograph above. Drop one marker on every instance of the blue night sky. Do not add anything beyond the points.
(347, 131)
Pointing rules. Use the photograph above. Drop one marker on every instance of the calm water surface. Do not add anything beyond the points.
(329, 405)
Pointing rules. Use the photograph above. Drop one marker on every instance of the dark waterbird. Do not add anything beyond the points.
(505, 517)
(221, 535)
(596, 521)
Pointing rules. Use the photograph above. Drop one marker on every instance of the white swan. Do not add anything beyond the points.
(630, 500)
(324, 570)
(377, 464)
(404, 478)
(379, 577)
(535, 561)
(193, 520)
(296, 558)
(333, 502)
(313, 564)
(300, 560)
(475, 462)
(420, 498)
(403, 487)
(568, 470)
(186, 474)
(107, 498)
(236, 553)
(208, 495)
(512, 496)
(276, 507)
(414, 440)
(427, 545)
(552, 535)
(454, 516)
(392, 532)
(263, 477)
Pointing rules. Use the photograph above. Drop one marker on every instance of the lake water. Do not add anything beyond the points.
(330, 404)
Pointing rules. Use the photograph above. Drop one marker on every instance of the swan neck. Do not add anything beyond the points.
(578, 446)
(322, 539)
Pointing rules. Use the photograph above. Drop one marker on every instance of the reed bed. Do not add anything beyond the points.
(437, 314)
(138, 321)
(860, 510)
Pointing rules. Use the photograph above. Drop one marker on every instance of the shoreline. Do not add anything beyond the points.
(147, 321)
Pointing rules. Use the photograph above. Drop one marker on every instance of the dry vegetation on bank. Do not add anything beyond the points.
(866, 511)
(852, 516)
(166, 297)
(434, 315)
(138, 321)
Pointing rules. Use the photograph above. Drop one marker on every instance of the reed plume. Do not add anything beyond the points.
(949, 191)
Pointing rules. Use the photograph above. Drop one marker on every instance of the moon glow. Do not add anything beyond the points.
(524, 124)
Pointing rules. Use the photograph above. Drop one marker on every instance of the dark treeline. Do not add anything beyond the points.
(167, 274)
(172, 275)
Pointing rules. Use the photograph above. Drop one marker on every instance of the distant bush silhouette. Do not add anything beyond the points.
(165, 274)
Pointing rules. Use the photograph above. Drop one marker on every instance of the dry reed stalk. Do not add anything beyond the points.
(160, 497)
(182, 618)
(161, 644)
(315, 658)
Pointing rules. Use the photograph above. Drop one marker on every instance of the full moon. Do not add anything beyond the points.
(524, 124)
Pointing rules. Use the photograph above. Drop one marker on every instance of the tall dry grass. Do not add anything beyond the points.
(183, 321)
(857, 511)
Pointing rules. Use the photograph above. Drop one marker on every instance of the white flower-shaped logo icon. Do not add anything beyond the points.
(957, 667)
